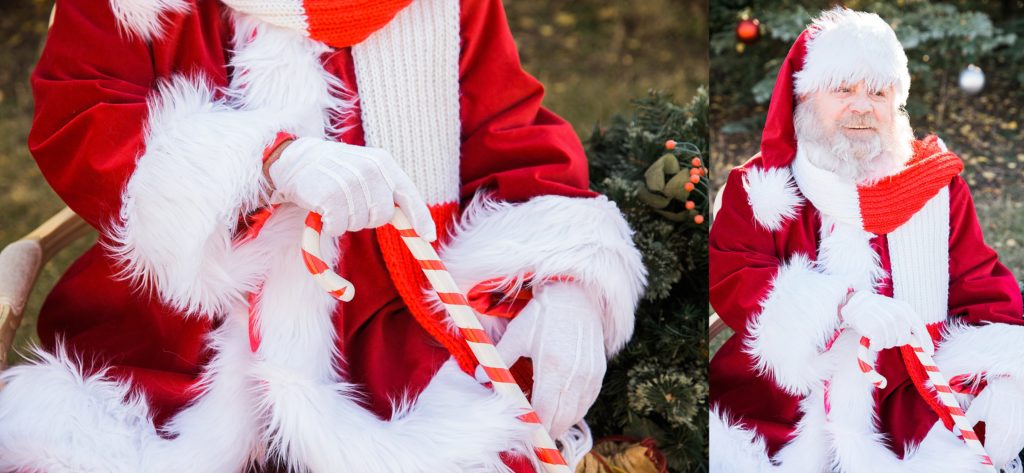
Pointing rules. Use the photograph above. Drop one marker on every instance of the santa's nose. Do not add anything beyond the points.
(860, 104)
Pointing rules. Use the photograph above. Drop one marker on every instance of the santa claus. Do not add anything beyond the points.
(844, 227)
(192, 337)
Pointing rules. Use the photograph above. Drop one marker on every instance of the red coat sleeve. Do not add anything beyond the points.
(742, 258)
(90, 88)
(510, 144)
(765, 285)
(981, 289)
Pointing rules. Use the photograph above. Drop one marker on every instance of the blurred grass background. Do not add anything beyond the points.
(593, 56)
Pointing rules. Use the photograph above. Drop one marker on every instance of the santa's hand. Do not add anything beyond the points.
(351, 187)
(887, 322)
(560, 330)
(1001, 406)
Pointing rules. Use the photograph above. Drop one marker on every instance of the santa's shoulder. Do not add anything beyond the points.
(770, 192)
(150, 19)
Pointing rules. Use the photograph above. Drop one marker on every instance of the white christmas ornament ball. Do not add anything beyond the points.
(972, 79)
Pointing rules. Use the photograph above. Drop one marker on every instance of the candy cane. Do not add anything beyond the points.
(458, 307)
(945, 392)
(866, 363)
(337, 286)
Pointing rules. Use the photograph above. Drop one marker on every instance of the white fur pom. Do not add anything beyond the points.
(773, 196)
(145, 17)
(798, 316)
(550, 237)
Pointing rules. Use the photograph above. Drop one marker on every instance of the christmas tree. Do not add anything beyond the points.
(651, 165)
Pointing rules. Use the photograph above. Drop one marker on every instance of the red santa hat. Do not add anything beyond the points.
(841, 46)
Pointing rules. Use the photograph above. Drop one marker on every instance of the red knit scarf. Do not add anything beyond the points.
(337, 23)
(890, 202)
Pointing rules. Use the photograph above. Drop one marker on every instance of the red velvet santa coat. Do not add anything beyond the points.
(745, 259)
(106, 94)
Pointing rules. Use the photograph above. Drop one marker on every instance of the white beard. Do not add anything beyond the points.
(860, 160)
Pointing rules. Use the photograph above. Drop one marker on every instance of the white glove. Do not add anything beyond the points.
(352, 187)
(887, 322)
(560, 330)
(1001, 406)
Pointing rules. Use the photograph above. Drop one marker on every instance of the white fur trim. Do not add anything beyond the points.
(772, 195)
(54, 418)
(289, 399)
(145, 18)
(733, 448)
(269, 61)
(202, 166)
(845, 251)
(314, 419)
(993, 349)
(990, 353)
(850, 47)
(549, 237)
(455, 425)
(809, 449)
(797, 317)
(408, 81)
(201, 169)
(857, 445)
(736, 449)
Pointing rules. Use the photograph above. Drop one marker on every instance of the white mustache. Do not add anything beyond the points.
(858, 122)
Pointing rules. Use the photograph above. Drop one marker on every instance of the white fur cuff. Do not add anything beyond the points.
(550, 237)
(798, 316)
(201, 169)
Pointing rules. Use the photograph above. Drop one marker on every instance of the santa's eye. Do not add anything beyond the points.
(879, 93)
(843, 89)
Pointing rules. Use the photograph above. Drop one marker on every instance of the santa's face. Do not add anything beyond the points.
(853, 130)
(855, 111)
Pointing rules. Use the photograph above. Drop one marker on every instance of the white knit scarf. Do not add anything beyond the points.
(918, 249)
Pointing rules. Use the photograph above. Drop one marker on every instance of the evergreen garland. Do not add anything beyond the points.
(657, 386)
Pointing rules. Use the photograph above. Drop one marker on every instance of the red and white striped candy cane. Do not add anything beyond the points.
(866, 363)
(458, 307)
(335, 285)
(946, 397)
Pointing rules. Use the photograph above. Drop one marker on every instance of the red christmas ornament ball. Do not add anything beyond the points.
(748, 31)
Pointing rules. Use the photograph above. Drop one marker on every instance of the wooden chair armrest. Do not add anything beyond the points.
(715, 326)
(20, 263)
